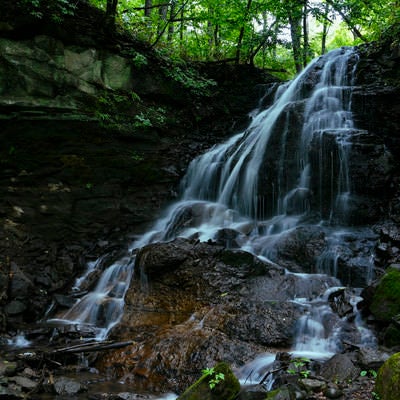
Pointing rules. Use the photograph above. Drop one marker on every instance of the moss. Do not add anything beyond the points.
(279, 394)
(391, 336)
(388, 380)
(226, 389)
(386, 300)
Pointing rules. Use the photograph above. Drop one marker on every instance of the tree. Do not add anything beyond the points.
(111, 12)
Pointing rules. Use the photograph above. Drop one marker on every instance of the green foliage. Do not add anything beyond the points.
(214, 378)
(387, 385)
(386, 300)
(371, 373)
(136, 157)
(266, 33)
(300, 367)
(190, 79)
(141, 120)
(56, 9)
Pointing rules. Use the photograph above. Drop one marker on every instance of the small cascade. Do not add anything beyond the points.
(101, 308)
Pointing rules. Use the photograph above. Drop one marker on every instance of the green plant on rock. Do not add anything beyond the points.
(299, 365)
(141, 120)
(215, 377)
(371, 373)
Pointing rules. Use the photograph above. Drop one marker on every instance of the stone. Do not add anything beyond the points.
(25, 383)
(388, 379)
(386, 299)
(333, 392)
(15, 307)
(67, 386)
(340, 367)
(312, 385)
(7, 368)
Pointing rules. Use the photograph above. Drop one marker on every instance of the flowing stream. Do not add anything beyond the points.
(262, 184)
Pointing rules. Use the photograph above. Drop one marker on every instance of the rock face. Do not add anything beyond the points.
(192, 304)
(93, 145)
(201, 304)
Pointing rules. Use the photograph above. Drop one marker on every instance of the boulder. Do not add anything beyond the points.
(388, 380)
(67, 386)
(386, 299)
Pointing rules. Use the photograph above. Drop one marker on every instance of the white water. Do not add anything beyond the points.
(224, 188)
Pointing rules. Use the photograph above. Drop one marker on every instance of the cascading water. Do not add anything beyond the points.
(263, 184)
(101, 308)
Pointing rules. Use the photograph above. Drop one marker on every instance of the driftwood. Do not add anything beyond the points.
(92, 346)
(46, 356)
(270, 373)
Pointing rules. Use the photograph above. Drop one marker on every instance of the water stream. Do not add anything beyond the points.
(263, 183)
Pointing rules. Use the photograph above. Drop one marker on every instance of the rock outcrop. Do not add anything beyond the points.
(94, 143)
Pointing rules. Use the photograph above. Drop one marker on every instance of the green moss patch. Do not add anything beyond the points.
(386, 301)
(388, 380)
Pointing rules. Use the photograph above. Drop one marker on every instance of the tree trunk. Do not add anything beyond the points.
(295, 33)
(306, 44)
(325, 29)
(347, 20)
(147, 8)
(241, 33)
(171, 27)
(111, 12)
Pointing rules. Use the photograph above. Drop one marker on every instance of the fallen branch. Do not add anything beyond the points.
(93, 346)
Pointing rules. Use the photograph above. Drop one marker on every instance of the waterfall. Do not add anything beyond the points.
(288, 169)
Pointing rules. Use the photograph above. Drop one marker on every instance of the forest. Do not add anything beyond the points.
(277, 35)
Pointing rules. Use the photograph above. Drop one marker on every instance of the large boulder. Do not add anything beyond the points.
(386, 299)
(388, 380)
(192, 304)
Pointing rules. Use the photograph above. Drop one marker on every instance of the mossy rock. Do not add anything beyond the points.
(280, 394)
(388, 380)
(386, 300)
(226, 389)
(391, 336)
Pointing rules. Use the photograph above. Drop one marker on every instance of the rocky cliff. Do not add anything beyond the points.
(96, 132)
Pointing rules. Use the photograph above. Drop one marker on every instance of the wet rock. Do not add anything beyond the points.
(299, 248)
(25, 383)
(159, 259)
(212, 305)
(340, 367)
(15, 307)
(7, 368)
(312, 384)
(340, 302)
(64, 301)
(252, 392)
(370, 358)
(333, 392)
(10, 393)
(282, 393)
(129, 396)
(21, 284)
(67, 386)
